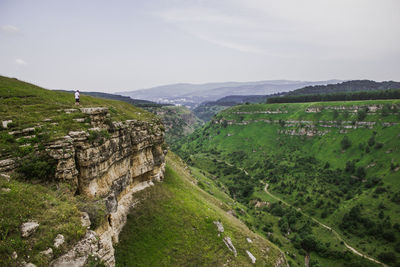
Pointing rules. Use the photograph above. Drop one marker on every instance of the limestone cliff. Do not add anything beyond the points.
(111, 161)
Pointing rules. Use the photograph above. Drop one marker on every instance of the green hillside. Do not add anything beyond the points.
(174, 225)
(335, 162)
(348, 86)
(30, 106)
(30, 194)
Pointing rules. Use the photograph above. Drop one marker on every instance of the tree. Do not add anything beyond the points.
(387, 257)
(309, 243)
(385, 110)
(371, 141)
(335, 114)
(345, 143)
(361, 114)
(360, 172)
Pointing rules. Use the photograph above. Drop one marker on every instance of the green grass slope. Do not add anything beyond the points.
(336, 164)
(173, 225)
(31, 194)
(28, 105)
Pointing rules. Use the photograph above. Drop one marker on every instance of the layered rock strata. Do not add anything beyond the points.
(111, 161)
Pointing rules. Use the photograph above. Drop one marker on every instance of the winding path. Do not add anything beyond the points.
(325, 226)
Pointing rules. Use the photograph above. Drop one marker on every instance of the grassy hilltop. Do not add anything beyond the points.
(32, 195)
(336, 162)
(30, 106)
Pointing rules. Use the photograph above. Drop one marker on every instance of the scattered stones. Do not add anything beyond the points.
(5, 123)
(28, 130)
(7, 165)
(48, 252)
(94, 111)
(29, 228)
(70, 110)
(313, 110)
(85, 220)
(59, 240)
(371, 165)
(26, 137)
(14, 255)
(260, 204)
(5, 176)
(249, 240)
(228, 242)
(30, 265)
(220, 226)
(80, 120)
(79, 254)
(6, 190)
(252, 258)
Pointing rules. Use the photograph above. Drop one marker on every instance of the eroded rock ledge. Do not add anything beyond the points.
(127, 158)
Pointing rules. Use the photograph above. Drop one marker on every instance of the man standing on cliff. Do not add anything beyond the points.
(77, 97)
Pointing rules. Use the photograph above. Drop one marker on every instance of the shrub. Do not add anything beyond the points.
(37, 166)
(378, 145)
(335, 114)
(385, 110)
(371, 141)
(387, 257)
(95, 209)
(360, 172)
(345, 143)
(350, 167)
(98, 136)
(389, 236)
(362, 114)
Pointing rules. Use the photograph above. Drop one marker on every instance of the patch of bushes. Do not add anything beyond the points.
(362, 114)
(95, 209)
(98, 136)
(387, 257)
(345, 143)
(37, 166)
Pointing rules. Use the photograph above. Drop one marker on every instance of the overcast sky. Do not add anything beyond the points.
(126, 45)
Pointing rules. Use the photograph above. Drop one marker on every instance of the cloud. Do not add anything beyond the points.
(9, 29)
(231, 44)
(21, 62)
(291, 28)
(215, 27)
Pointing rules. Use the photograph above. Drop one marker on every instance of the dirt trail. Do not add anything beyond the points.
(325, 226)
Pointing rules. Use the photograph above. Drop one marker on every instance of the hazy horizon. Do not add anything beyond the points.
(131, 45)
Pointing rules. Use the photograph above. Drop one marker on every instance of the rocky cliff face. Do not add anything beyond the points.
(111, 161)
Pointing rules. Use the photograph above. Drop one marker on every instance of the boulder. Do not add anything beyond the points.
(59, 240)
(85, 220)
(252, 258)
(29, 228)
(228, 242)
(48, 252)
(220, 227)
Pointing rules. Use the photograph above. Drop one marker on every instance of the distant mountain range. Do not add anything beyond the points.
(208, 109)
(193, 94)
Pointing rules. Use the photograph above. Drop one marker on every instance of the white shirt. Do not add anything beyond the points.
(76, 95)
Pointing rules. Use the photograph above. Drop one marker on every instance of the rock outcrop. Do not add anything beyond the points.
(111, 161)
